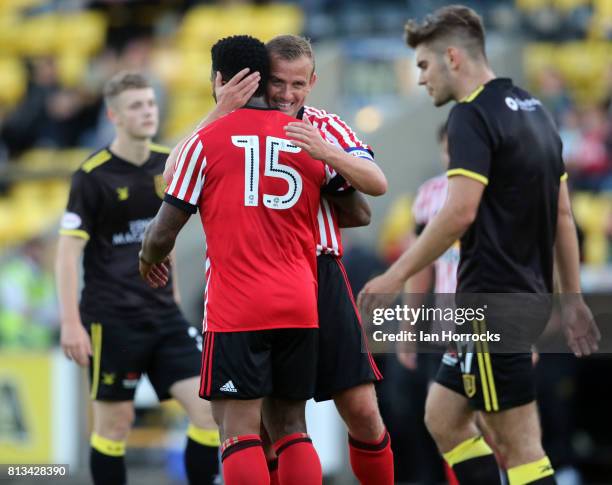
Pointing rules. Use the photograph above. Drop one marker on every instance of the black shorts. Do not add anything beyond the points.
(344, 359)
(167, 349)
(491, 382)
(253, 364)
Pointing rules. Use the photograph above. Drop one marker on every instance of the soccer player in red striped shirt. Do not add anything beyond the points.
(258, 195)
(345, 373)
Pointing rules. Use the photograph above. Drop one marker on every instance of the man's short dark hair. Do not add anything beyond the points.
(454, 23)
(122, 81)
(232, 54)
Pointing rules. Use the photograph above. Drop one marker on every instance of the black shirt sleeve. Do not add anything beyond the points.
(80, 215)
(469, 144)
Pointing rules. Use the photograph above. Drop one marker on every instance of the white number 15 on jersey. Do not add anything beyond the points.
(272, 169)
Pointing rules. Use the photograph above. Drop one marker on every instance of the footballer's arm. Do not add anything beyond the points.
(364, 175)
(578, 323)
(352, 210)
(74, 339)
(159, 239)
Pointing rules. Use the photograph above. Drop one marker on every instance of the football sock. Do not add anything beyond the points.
(298, 462)
(372, 462)
(273, 469)
(106, 461)
(474, 463)
(538, 472)
(244, 462)
(202, 455)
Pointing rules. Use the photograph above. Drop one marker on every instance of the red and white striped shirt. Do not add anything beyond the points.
(429, 200)
(340, 134)
(257, 195)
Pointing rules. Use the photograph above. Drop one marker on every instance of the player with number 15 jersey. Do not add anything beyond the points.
(261, 261)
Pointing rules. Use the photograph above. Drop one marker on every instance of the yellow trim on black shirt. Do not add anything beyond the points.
(473, 95)
(75, 232)
(97, 160)
(154, 147)
(468, 173)
(564, 177)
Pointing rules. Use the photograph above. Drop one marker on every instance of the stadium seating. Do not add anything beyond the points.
(185, 68)
(582, 64)
(13, 81)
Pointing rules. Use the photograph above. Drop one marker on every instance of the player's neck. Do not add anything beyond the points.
(476, 76)
(257, 102)
(131, 150)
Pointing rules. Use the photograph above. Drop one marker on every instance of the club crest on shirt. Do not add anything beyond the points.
(160, 185)
(123, 193)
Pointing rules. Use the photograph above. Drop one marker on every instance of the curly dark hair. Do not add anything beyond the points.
(455, 22)
(232, 54)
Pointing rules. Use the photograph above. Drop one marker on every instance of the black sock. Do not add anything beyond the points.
(201, 463)
(107, 469)
(482, 470)
(474, 463)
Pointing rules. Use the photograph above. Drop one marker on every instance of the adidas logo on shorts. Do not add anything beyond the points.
(228, 387)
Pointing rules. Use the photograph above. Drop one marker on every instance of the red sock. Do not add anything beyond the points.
(244, 462)
(372, 462)
(273, 469)
(298, 462)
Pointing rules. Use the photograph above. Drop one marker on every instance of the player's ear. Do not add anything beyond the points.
(313, 80)
(453, 57)
(111, 115)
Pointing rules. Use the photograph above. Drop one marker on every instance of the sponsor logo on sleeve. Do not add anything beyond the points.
(70, 220)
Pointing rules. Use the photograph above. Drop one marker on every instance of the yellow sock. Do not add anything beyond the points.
(471, 448)
(106, 446)
(530, 472)
(206, 437)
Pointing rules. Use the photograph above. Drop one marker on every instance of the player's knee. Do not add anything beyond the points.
(518, 450)
(443, 432)
(433, 423)
(202, 416)
(116, 424)
(285, 424)
(363, 419)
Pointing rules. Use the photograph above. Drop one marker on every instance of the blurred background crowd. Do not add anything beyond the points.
(55, 55)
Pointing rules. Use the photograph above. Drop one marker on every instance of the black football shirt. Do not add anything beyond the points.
(110, 204)
(503, 137)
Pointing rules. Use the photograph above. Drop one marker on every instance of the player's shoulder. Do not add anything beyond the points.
(96, 160)
(319, 114)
